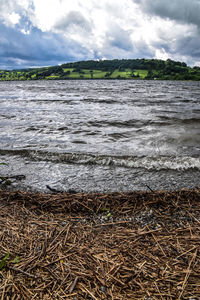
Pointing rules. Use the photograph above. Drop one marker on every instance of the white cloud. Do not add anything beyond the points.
(14, 18)
(112, 28)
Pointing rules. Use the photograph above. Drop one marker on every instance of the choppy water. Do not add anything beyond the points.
(101, 135)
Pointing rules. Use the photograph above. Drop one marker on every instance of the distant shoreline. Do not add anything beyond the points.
(98, 79)
(122, 69)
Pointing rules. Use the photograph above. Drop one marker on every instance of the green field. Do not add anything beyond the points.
(132, 69)
(99, 74)
(85, 74)
(142, 73)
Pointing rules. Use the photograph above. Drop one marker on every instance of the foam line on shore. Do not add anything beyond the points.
(145, 162)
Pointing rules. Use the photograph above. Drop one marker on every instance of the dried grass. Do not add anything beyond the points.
(138, 245)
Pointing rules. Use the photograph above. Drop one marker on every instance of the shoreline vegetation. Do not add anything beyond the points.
(132, 69)
(134, 245)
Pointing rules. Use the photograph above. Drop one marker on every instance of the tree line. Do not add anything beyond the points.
(155, 69)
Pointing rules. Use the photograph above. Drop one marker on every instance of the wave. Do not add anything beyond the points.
(175, 120)
(142, 162)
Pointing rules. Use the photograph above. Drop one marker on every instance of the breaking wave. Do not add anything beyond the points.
(144, 162)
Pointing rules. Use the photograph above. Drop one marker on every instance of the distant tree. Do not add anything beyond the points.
(77, 69)
(150, 75)
(121, 69)
(133, 74)
(107, 75)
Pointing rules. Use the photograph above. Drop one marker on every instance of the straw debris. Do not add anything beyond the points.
(136, 245)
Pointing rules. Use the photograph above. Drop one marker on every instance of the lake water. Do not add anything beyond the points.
(101, 135)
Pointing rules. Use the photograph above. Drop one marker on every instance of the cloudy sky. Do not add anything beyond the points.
(51, 32)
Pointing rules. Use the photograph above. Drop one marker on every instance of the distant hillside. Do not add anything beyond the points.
(109, 69)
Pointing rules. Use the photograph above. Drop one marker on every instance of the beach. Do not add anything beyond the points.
(134, 245)
(99, 191)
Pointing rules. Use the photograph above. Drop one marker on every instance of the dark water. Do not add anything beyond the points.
(101, 135)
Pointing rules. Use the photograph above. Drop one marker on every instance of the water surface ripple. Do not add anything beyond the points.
(101, 135)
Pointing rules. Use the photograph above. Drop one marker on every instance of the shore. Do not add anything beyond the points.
(135, 245)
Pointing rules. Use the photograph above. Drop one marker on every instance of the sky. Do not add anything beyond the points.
(36, 33)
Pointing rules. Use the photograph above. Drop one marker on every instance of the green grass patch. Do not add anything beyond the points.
(75, 75)
(52, 77)
(123, 74)
(67, 69)
(98, 74)
(142, 73)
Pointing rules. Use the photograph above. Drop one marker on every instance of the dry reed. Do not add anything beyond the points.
(137, 245)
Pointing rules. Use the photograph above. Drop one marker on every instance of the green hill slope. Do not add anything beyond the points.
(109, 69)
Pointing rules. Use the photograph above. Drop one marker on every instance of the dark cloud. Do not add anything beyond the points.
(118, 44)
(110, 30)
(181, 43)
(73, 18)
(188, 46)
(185, 11)
(143, 50)
(19, 50)
(120, 38)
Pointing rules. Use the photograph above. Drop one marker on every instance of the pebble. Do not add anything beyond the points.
(103, 289)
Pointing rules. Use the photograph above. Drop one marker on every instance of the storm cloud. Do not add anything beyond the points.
(73, 19)
(42, 33)
(35, 49)
(185, 11)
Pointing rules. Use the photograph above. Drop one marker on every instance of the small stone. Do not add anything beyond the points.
(64, 223)
(103, 289)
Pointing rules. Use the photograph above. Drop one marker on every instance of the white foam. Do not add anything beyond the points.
(145, 162)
